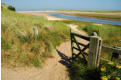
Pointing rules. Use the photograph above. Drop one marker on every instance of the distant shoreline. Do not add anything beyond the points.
(42, 13)
(105, 16)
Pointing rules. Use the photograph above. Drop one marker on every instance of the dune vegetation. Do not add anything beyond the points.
(20, 47)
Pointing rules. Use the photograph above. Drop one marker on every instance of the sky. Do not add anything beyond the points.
(37, 5)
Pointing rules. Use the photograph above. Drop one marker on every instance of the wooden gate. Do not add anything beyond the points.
(91, 49)
(80, 47)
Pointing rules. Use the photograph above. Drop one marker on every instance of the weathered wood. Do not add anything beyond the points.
(105, 59)
(71, 36)
(81, 36)
(94, 51)
(79, 43)
(79, 49)
(76, 48)
(76, 43)
(82, 51)
(99, 52)
(118, 50)
(94, 46)
(94, 34)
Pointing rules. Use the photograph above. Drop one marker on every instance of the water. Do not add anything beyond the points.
(86, 19)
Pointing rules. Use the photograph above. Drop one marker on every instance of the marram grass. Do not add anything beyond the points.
(19, 45)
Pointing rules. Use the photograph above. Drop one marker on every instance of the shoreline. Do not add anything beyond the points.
(81, 14)
(42, 13)
(87, 15)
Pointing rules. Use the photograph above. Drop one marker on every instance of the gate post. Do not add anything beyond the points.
(94, 51)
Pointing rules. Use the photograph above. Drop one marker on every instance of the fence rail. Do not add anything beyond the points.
(81, 36)
(115, 49)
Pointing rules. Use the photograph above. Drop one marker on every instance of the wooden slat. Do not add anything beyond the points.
(80, 50)
(105, 59)
(76, 42)
(73, 39)
(79, 43)
(76, 48)
(118, 50)
(81, 36)
(71, 43)
(99, 51)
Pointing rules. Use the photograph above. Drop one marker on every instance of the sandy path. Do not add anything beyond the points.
(52, 69)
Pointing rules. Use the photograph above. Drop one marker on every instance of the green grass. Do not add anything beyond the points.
(111, 34)
(80, 71)
(19, 45)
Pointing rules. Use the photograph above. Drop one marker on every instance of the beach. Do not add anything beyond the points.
(42, 13)
(97, 15)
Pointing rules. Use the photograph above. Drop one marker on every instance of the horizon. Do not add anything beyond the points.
(40, 5)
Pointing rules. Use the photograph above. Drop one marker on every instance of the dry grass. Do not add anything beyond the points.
(19, 45)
